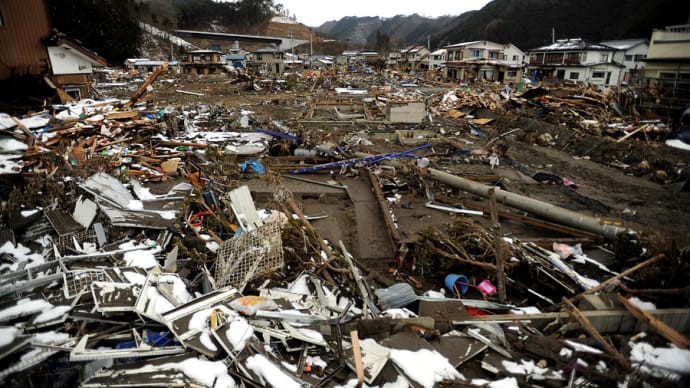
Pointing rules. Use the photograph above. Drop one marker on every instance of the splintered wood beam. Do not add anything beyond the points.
(608, 282)
(660, 327)
(140, 92)
(587, 325)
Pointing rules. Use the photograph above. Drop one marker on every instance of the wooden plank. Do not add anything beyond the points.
(357, 352)
(660, 327)
(129, 114)
(631, 133)
(587, 325)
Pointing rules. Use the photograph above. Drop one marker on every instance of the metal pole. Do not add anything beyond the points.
(538, 208)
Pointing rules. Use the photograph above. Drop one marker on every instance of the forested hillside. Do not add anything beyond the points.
(529, 23)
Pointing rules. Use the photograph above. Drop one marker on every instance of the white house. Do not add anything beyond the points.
(72, 67)
(575, 60)
(437, 58)
(483, 59)
(632, 53)
(412, 58)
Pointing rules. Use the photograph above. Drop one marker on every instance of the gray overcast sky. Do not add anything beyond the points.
(316, 12)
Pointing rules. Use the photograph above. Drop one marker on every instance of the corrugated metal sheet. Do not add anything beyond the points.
(26, 22)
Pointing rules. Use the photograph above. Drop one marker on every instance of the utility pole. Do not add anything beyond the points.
(553, 35)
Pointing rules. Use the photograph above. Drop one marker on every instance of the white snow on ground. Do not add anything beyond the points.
(172, 38)
(51, 337)
(426, 367)
(12, 145)
(508, 382)
(269, 373)
(7, 335)
(179, 288)
(582, 347)
(658, 360)
(144, 258)
(400, 313)
(675, 143)
(208, 373)
(9, 166)
(135, 278)
(239, 332)
(6, 121)
(141, 259)
(20, 253)
(25, 306)
(400, 382)
(642, 305)
(54, 313)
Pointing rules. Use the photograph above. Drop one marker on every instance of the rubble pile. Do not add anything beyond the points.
(150, 242)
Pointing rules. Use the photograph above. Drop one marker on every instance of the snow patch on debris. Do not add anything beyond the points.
(426, 367)
(582, 347)
(7, 335)
(23, 307)
(179, 288)
(209, 373)
(269, 373)
(52, 314)
(20, 253)
(239, 332)
(51, 338)
(642, 305)
(661, 362)
(141, 259)
(677, 143)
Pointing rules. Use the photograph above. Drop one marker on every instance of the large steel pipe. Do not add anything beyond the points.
(538, 208)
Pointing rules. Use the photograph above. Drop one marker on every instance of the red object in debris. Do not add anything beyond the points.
(416, 282)
(473, 311)
(197, 219)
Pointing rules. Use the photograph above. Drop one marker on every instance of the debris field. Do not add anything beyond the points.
(342, 229)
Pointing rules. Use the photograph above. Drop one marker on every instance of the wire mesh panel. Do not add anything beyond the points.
(66, 243)
(249, 255)
(76, 282)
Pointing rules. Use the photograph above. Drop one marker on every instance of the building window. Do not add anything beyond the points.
(604, 57)
(259, 57)
(511, 74)
(598, 74)
(476, 53)
(640, 57)
(574, 75)
(629, 58)
(515, 58)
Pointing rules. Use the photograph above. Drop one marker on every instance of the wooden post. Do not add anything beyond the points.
(357, 354)
(660, 327)
(577, 314)
(500, 272)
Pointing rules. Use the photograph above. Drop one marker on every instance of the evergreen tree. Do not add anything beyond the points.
(108, 27)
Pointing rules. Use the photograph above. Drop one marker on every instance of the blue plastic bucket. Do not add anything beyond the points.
(461, 281)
